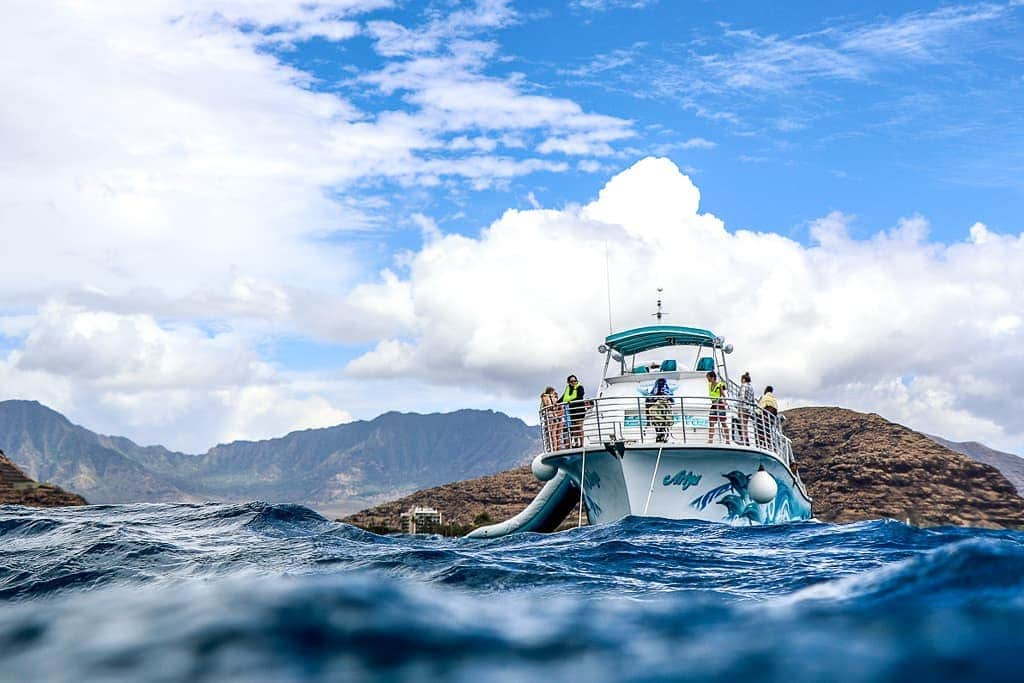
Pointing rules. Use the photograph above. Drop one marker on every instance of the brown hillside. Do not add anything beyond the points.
(856, 466)
(499, 496)
(17, 489)
(861, 466)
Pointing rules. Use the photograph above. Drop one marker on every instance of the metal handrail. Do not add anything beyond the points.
(679, 420)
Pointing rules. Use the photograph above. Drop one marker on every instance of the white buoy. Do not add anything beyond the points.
(543, 471)
(762, 487)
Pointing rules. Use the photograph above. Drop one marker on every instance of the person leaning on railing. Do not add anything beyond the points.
(768, 406)
(716, 392)
(554, 421)
(572, 397)
(659, 409)
(747, 402)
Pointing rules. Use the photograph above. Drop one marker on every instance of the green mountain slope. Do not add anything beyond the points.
(48, 447)
(346, 466)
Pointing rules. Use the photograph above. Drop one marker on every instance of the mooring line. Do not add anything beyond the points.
(654, 477)
(583, 470)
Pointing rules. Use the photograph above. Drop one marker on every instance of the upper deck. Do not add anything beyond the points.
(686, 355)
(657, 392)
(640, 339)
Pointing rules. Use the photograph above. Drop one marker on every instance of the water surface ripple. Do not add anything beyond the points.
(259, 592)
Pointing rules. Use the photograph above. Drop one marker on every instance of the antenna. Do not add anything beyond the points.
(608, 280)
(659, 313)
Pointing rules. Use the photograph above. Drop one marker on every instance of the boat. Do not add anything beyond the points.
(653, 444)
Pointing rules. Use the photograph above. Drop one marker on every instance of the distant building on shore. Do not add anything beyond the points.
(421, 520)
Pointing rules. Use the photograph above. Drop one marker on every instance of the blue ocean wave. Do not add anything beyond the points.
(260, 592)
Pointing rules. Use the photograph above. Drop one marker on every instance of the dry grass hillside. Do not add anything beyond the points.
(17, 489)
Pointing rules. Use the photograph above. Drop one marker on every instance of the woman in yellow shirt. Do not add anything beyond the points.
(716, 392)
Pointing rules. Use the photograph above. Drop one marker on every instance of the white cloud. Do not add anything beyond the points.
(394, 40)
(845, 53)
(592, 143)
(921, 35)
(606, 5)
(839, 321)
(158, 159)
(453, 94)
(924, 333)
(188, 388)
(697, 143)
(733, 76)
(180, 386)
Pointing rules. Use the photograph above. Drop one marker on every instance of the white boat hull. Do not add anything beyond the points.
(681, 482)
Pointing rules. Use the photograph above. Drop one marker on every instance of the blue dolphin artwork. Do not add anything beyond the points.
(737, 482)
(734, 504)
(738, 504)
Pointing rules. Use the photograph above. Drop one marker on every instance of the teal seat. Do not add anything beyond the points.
(668, 366)
(706, 364)
(641, 369)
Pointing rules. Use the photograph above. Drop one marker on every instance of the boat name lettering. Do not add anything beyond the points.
(683, 478)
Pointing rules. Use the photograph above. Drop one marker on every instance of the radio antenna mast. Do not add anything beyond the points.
(659, 313)
(608, 282)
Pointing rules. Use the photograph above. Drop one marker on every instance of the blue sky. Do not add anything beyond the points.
(879, 109)
(236, 219)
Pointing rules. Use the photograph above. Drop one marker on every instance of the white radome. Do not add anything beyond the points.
(762, 487)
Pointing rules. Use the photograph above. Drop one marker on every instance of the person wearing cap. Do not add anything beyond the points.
(716, 392)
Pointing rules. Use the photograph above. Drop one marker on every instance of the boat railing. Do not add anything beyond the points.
(675, 420)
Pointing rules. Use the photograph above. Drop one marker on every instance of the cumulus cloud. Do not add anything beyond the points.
(162, 159)
(922, 332)
(179, 385)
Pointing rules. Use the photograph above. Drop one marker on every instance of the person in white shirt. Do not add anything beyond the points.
(747, 402)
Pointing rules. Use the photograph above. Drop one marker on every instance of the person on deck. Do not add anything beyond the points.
(554, 420)
(769, 410)
(747, 402)
(716, 392)
(572, 398)
(659, 409)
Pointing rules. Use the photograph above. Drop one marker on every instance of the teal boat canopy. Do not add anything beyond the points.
(643, 339)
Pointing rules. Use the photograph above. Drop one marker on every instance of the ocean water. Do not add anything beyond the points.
(262, 592)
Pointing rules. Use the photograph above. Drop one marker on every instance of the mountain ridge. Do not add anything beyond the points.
(346, 465)
(1010, 464)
